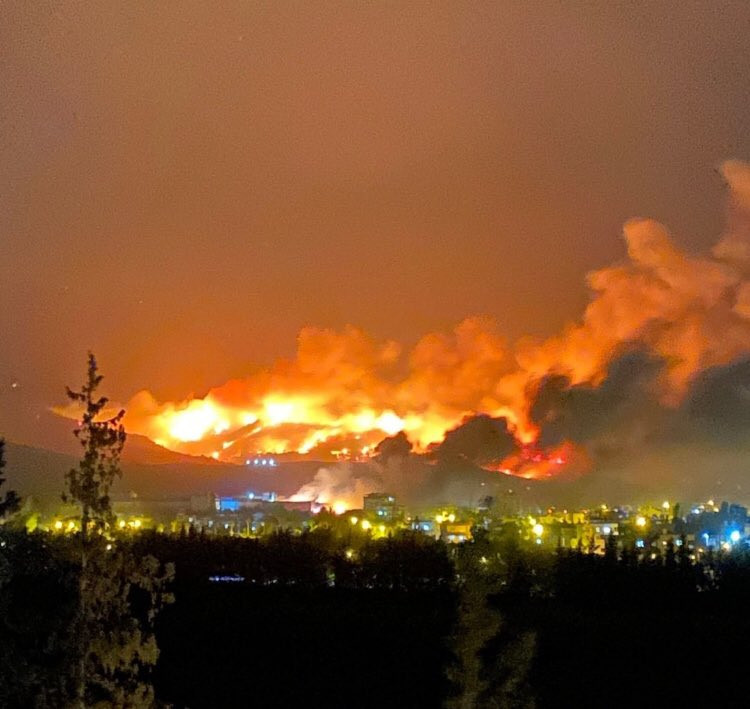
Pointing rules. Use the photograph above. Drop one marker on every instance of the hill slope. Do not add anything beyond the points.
(39, 472)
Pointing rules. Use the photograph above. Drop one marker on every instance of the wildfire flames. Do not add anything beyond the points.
(345, 391)
(342, 395)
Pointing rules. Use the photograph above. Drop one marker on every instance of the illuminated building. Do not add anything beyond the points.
(381, 505)
(426, 526)
(457, 532)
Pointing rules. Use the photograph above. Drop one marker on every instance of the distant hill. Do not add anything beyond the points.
(35, 471)
(40, 472)
(142, 450)
(55, 433)
(151, 471)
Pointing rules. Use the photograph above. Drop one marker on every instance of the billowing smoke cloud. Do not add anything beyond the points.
(479, 440)
(718, 405)
(339, 484)
(624, 400)
(699, 446)
(691, 311)
(395, 447)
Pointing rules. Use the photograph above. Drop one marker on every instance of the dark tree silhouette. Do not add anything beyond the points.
(11, 502)
(102, 440)
(114, 646)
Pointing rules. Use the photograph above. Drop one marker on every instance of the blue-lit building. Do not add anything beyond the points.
(714, 528)
(426, 526)
(227, 504)
(250, 499)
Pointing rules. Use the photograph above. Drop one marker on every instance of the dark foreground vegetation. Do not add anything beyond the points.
(293, 620)
(332, 618)
(306, 625)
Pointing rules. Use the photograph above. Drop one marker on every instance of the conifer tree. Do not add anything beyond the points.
(102, 440)
(115, 648)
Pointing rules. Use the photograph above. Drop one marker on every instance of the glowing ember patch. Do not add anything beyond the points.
(364, 421)
(221, 427)
(277, 412)
(193, 423)
(390, 423)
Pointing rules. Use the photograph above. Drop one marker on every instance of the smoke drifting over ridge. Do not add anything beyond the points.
(699, 446)
(480, 440)
(655, 365)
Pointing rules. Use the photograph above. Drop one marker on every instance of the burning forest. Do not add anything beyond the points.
(655, 374)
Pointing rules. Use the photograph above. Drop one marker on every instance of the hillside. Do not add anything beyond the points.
(40, 472)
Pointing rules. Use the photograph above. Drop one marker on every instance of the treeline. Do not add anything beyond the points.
(631, 627)
(313, 619)
(307, 622)
(490, 623)
(636, 630)
(331, 620)
(408, 561)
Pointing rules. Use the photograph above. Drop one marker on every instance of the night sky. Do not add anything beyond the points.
(186, 185)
